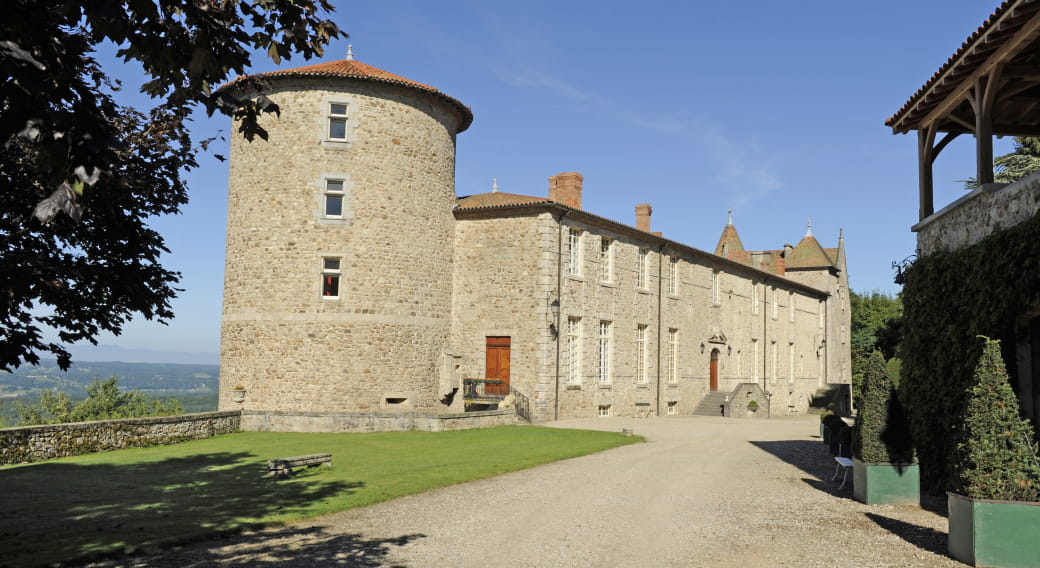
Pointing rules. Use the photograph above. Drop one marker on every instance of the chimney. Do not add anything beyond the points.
(565, 189)
(643, 211)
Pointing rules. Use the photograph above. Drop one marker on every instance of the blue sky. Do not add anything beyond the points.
(773, 109)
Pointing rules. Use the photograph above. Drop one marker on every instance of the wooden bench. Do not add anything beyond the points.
(844, 465)
(643, 410)
(283, 467)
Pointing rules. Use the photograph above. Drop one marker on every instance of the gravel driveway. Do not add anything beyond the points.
(701, 492)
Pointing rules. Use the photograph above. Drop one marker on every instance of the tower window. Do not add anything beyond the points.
(337, 121)
(334, 198)
(330, 274)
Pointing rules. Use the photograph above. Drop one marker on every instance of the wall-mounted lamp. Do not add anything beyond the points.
(554, 314)
(729, 350)
(702, 348)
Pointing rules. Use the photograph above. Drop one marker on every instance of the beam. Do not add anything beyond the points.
(1026, 34)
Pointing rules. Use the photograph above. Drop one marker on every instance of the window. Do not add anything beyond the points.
(641, 362)
(790, 362)
(773, 361)
(819, 308)
(754, 298)
(330, 278)
(641, 267)
(754, 359)
(574, 251)
(775, 307)
(337, 121)
(604, 410)
(604, 352)
(673, 356)
(740, 357)
(334, 198)
(716, 297)
(790, 307)
(673, 276)
(606, 259)
(573, 352)
(672, 406)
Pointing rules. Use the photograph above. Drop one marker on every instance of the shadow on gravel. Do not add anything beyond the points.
(307, 546)
(925, 538)
(814, 459)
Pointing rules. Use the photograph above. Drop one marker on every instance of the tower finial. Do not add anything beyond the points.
(729, 220)
(808, 232)
(350, 52)
(494, 185)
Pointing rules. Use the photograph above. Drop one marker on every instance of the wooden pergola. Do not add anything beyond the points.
(989, 87)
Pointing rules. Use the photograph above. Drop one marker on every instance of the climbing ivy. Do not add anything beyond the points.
(950, 298)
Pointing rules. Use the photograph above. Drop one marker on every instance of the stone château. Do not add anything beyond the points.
(359, 287)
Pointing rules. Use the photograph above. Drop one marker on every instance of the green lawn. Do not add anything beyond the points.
(142, 499)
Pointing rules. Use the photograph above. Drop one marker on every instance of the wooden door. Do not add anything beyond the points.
(713, 376)
(497, 366)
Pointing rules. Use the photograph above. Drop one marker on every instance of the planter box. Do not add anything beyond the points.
(886, 483)
(1001, 534)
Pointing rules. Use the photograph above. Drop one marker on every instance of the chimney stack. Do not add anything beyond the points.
(643, 211)
(565, 189)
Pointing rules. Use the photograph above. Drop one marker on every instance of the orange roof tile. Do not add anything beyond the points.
(808, 254)
(353, 69)
(497, 199)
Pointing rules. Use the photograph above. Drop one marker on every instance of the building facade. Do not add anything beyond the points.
(357, 283)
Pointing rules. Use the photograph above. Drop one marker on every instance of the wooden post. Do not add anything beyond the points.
(925, 140)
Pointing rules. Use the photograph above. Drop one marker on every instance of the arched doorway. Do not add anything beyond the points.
(713, 375)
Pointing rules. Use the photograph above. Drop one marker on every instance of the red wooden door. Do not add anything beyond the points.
(497, 366)
(713, 377)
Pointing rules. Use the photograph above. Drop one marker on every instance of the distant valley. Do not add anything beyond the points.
(194, 385)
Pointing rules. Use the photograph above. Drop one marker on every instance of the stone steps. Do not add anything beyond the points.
(711, 404)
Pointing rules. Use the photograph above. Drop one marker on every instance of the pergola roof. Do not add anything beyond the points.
(1006, 47)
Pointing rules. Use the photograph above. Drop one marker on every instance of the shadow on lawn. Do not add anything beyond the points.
(59, 511)
(289, 546)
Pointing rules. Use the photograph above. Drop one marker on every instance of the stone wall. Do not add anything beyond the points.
(506, 270)
(738, 405)
(37, 443)
(275, 421)
(379, 342)
(982, 212)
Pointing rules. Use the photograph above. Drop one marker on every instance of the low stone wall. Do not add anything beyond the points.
(978, 214)
(738, 404)
(279, 421)
(37, 443)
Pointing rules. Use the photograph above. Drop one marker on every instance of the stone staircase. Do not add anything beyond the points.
(711, 404)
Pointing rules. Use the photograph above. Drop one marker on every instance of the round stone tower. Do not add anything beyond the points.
(338, 280)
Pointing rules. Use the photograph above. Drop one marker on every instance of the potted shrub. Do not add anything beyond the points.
(995, 516)
(834, 428)
(752, 406)
(823, 424)
(884, 468)
(238, 393)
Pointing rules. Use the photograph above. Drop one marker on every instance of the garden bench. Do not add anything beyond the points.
(844, 465)
(643, 410)
(283, 467)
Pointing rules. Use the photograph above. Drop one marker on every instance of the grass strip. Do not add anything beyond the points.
(146, 498)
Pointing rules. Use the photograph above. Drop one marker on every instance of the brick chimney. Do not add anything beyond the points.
(565, 189)
(643, 211)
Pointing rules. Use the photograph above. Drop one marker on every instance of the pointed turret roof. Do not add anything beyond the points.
(809, 253)
(729, 242)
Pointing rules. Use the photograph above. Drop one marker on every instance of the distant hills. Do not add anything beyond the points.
(168, 379)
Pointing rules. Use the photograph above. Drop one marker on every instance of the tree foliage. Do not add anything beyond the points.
(1023, 160)
(1000, 460)
(881, 433)
(81, 175)
(104, 401)
(877, 323)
